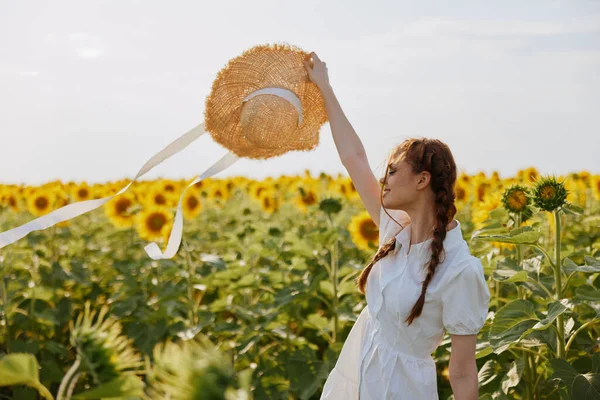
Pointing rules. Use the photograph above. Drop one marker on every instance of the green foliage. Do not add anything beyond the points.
(22, 369)
(276, 296)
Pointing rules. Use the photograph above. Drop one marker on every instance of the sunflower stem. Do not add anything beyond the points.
(53, 245)
(590, 322)
(334, 266)
(540, 248)
(520, 290)
(34, 275)
(334, 283)
(72, 385)
(43, 391)
(190, 285)
(557, 277)
(5, 305)
(530, 372)
(67, 378)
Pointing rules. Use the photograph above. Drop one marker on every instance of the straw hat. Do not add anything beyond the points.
(262, 104)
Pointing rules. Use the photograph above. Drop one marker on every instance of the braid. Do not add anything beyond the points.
(445, 211)
(435, 157)
(442, 184)
(383, 251)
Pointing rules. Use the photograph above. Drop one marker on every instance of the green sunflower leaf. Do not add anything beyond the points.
(579, 386)
(522, 235)
(587, 293)
(22, 369)
(570, 267)
(18, 369)
(507, 275)
(554, 310)
(572, 209)
(128, 385)
(511, 323)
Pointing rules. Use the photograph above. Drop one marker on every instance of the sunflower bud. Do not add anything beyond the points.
(549, 194)
(516, 199)
(330, 205)
(106, 354)
(189, 370)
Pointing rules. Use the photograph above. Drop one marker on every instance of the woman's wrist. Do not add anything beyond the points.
(326, 90)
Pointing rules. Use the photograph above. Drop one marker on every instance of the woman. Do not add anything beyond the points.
(422, 281)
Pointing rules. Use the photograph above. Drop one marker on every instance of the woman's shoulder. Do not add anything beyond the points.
(462, 261)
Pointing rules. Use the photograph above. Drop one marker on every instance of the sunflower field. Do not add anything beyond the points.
(259, 299)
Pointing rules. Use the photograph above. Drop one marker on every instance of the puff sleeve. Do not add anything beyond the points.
(465, 300)
(387, 226)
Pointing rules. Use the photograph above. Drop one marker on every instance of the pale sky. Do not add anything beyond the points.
(90, 90)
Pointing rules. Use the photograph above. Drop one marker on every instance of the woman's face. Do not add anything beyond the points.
(402, 187)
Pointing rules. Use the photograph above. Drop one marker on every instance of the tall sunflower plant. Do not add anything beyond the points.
(534, 349)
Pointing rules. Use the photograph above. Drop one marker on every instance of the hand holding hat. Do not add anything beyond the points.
(317, 70)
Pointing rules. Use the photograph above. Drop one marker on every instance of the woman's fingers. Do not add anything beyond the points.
(307, 66)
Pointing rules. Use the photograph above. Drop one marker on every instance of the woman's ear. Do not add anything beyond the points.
(424, 179)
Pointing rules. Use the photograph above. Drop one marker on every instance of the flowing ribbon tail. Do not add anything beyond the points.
(152, 249)
(75, 209)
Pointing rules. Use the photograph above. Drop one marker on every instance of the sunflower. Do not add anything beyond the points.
(154, 223)
(464, 178)
(549, 194)
(516, 199)
(119, 210)
(269, 202)
(463, 192)
(595, 182)
(351, 191)
(528, 175)
(191, 203)
(61, 200)
(203, 185)
(576, 191)
(170, 186)
(364, 232)
(480, 211)
(218, 193)
(115, 187)
(229, 184)
(155, 196)
(97, 190)
(105, 353)
(41, 202)
(81, 192)
(10, 199)
(481, 189)
(496, 177)
(306, 198)
(585, 177)
(339, 186)
(62, 196)
(256, 189)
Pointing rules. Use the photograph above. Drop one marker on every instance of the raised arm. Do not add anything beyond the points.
(349, 146)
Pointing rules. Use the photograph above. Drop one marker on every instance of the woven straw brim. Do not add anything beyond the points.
(267, 125)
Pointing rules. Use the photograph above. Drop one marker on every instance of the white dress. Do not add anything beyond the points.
(384, 358)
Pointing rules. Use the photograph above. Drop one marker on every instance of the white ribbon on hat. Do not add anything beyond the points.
(283, 93)
(75, 209)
